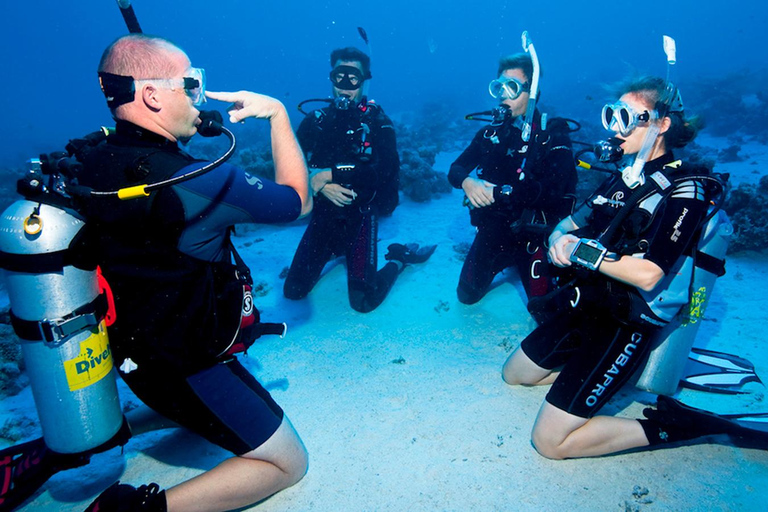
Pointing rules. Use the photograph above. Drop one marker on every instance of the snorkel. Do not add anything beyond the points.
(633, 175)
(364, 36)
(126, 9)
(528, 123)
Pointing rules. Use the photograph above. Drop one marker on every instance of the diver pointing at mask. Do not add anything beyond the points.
(183, 309)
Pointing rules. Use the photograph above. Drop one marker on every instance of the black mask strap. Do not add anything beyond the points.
(118, 89)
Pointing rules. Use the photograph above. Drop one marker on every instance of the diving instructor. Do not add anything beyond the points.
(179, 294)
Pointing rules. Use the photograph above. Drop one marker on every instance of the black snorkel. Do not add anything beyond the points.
(126, 9)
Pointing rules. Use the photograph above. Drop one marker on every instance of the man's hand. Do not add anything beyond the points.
(560, 250)
(479, 192)
(338, 195)
(247, 104)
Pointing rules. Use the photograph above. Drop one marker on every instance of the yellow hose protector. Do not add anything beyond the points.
(583, 165)
(133, 192)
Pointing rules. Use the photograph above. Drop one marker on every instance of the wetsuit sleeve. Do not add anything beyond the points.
(386, 165)
(676, 226)
(467, 161)
(224, 197)
(228, 195)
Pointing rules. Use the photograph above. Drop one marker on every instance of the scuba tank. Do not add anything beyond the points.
(672, 344)
(58, 312)
(60, 305)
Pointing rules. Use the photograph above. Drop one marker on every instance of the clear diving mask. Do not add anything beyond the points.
(193, 84)
(507, 88)
(622, 118)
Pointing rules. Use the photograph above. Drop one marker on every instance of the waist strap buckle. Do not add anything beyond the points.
(56, 330)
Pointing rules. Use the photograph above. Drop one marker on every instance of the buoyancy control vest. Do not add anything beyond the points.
(520, 171)
(674, 291)
(352, 139)
(174, 311)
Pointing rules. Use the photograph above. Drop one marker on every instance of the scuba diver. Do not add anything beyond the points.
(352, 154)
(624, 245)
(525, 184)
(181, 293)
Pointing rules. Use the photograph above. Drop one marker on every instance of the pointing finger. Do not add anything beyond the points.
(222, 96)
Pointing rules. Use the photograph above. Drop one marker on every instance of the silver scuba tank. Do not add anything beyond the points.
(672, 344)
(62, 331)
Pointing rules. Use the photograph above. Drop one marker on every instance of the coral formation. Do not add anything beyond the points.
(747, 207)
(19, 428)
(11, 365)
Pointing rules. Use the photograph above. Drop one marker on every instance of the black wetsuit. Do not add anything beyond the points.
(601, 341)
(178, 301)
(512, 230)
(331, 137)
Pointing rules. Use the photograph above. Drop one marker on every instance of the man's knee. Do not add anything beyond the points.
(297, 466)
(468, 295)
(285, 450)
(293, 290)
(361, 304)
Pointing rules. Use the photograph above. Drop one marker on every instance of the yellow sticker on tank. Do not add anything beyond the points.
(93, 363)
(696, 306)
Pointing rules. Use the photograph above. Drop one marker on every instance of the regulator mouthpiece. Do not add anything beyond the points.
(609, 151)
(211, 123)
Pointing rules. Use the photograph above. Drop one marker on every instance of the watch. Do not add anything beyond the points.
(588, 253)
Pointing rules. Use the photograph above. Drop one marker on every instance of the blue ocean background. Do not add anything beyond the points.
(424, 53)
(404, 408)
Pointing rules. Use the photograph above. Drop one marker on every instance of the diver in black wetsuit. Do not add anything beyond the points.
(648, 217)
(520, 189)
(183, 308)
(352, 152)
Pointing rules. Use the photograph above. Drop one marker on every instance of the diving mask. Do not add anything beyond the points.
(622, 118)
(193, 84)
(507, 88)
(347, 78)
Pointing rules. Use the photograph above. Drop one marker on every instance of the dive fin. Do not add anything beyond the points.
(749, 429)
(717, 372)
(24, 468)
(753, 421)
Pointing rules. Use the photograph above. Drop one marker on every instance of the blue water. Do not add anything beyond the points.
(426, 51)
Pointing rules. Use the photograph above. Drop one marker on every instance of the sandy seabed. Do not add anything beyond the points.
(404, 408)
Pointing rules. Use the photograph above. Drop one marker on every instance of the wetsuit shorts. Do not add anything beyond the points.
(597, 353)
(224, 404)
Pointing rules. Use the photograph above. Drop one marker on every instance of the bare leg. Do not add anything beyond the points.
(240, 481)
(143, 419)
(560, 435)
(519, 369)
